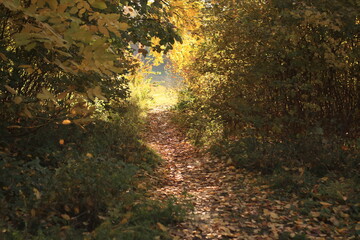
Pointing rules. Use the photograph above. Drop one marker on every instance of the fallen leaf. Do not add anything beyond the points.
(324, 179)
(325, 204)
(161, 227)
(37, 193)
(66, 207)
(357, 227)
(335, 221)
(76, 210)
(66, 217)
(126, 218)
(315, 214)
(274, 230)
(271, 214)
(10, 89)
(66, 122)
(3, 57)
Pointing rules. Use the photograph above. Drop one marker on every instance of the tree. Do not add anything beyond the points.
(70, 53)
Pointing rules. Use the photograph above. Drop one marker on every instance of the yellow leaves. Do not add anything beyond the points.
(158, 57)
(59, 26)
(155, 41)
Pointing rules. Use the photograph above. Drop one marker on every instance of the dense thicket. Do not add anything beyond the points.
(273, 86)
(278, 72)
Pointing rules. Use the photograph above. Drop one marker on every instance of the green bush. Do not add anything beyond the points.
(85, 184)
(278, 80)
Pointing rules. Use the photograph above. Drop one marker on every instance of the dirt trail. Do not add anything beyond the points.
(227, 202)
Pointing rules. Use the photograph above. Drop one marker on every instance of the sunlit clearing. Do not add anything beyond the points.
(162, 96)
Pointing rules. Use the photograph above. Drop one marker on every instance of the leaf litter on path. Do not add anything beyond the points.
(228, 202)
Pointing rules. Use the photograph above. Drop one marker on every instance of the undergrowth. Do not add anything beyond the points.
(319, 172)
(82, 182)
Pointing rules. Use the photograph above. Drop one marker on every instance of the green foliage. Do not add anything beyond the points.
(273, 86)
(88, 183)
(313, 152)
(276, 84)
(61, 60)
(140, 224)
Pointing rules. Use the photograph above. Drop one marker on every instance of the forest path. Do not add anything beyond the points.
(220, 193)
(228, 204)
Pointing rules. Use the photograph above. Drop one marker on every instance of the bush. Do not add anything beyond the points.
(316, 153)
(89, 181)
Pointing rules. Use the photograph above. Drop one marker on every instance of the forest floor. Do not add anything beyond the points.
(229, 203)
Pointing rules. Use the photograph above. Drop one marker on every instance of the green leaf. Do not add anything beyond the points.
(30, 46)
(99, 4)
